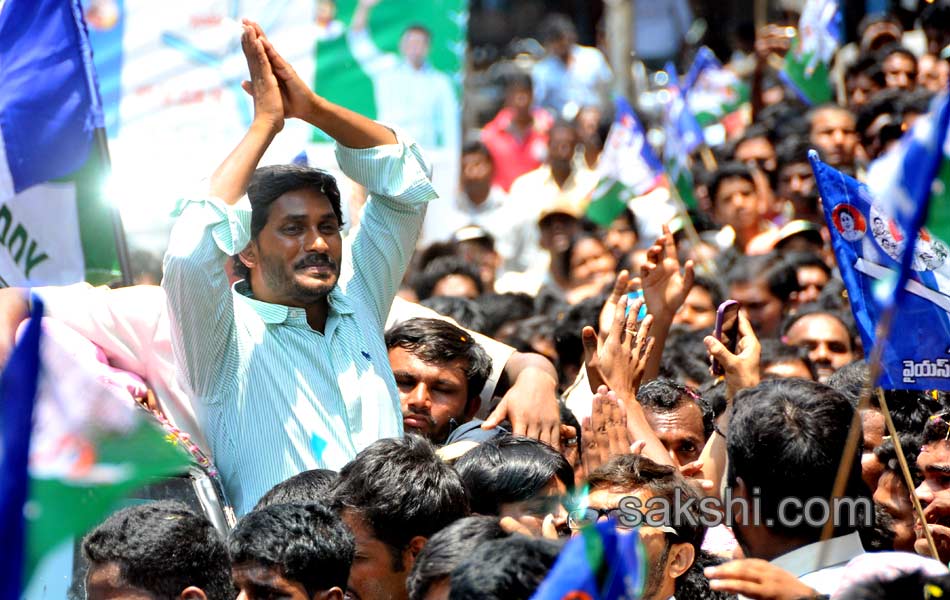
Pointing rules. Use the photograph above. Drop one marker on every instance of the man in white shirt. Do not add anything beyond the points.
(570, 76)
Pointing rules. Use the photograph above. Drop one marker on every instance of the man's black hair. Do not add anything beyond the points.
(555, 27)
(801, 259)
(438, 342)
(684, 356)
(568, 253)
(463, 311)
(814, 308)
(567, 333)
(850, 380)
(786, 438)
(716, 292)
(725, 171)
(507, 569)
(441, 268)
(270, 183)
(510, 468)
(308, 543)
(630, 472)
(866, 64)
(504, 308)
(302, 488)
(449, 548)
(665, 396)
(885, 102)
(775, 352)
(401, 489)
(476, 146)
(631, 218)
(693, 584)
(713, 392)
(892, 49)
(162, 548)
(517, 78)
(779, 276)
(792, 150)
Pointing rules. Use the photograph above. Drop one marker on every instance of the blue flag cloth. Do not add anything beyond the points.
(49, 103)
(601, 563)
(704, 59)
(683, 132)
(18, 386)
(869, 237)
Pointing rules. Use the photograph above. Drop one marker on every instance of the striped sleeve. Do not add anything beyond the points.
(397, 179)
(200, 303)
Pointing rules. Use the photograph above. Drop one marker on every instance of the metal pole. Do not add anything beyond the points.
(118, 231)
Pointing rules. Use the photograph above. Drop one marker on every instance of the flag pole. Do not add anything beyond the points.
(118, 231)
(906, 471)
(851, 444)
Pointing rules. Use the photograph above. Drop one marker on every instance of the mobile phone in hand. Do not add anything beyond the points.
(727, 330)
(632, 297)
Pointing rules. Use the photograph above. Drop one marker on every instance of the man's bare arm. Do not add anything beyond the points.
(230, 180)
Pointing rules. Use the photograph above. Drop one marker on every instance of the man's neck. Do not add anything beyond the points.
(561, 173)
(477, 194)
(770, 547)
(317, 314)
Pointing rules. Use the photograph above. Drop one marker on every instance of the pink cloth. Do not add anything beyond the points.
(91, 359)
(514, 157)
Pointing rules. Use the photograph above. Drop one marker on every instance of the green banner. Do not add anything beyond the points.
(400, 62)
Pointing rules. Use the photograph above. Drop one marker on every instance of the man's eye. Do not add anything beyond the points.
(291, 229)
(329, 228)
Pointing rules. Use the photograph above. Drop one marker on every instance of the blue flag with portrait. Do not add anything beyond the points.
(869, 235)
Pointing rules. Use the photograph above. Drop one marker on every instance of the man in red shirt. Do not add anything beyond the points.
(518, 135)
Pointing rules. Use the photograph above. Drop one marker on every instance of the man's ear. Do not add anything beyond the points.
(192, 593)
(333, 593)
(680, 560)
(412, 550)
(249, 256)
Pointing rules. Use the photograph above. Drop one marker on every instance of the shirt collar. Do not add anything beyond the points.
(820, 555)
(274, 314)
(495, 199)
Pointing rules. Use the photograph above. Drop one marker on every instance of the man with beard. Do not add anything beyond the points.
(633, 490)
(289, 368)
(440, 372)
(824, 335)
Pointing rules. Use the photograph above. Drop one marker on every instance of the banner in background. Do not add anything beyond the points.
(170, 75)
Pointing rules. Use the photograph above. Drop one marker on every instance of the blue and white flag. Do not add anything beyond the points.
(18, 389)
(683, 131)
(890, 239)
(54, 226)
(601, 563)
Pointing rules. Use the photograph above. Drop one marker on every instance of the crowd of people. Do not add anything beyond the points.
(392, 417)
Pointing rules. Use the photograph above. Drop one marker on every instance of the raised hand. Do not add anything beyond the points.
(742, 368)
(297, 97)
(604, 433)
(263, 87)
(665, 284)
(619, 360)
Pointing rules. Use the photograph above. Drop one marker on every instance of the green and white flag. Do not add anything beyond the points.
(808, 62)
(91, 446)
(627, 167)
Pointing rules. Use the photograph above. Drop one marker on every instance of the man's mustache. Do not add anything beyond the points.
(315, 260)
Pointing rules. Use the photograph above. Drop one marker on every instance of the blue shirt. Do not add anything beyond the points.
(274, 396)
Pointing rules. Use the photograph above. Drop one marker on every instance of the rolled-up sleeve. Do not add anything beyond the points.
(397, 178)
(200, 303)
